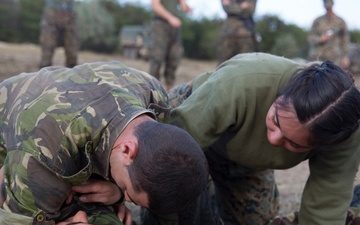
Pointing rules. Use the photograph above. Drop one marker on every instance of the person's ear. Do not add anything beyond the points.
(129, 150)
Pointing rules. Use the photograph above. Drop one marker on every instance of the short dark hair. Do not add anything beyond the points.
(326, 100)
(170, 167)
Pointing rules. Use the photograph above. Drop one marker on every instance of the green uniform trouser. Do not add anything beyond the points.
(166, 49)
(59, 27)
(240, 195)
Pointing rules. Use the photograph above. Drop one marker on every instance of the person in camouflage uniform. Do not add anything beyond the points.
(59, 27)
(238, 32)
(258, 112)
(62, 130)
(329, 38)
(166, 48)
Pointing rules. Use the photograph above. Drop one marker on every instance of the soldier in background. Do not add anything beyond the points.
(329, 38)
(238, 33)
(59, 26)
(166, 47)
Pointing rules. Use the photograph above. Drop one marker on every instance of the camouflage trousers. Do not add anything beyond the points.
(165, 50)
(236, 195)
(58, 28)
(231, 46)
(235, 38)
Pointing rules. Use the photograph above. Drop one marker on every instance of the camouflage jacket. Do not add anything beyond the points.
(239, 22)
(234, 8)
(58, 126)
(337, 47)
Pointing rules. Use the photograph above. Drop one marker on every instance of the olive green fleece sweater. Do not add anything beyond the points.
(226, 113)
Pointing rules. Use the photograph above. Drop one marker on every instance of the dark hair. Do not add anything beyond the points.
(326, 100)
(170, 167)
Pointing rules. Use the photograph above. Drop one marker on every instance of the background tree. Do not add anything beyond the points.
(97, 30)
(200, 38)
(274, 31)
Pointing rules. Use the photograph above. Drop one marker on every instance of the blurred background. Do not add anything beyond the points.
(281, 25)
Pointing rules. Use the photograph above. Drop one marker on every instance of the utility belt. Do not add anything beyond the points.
(61, 5)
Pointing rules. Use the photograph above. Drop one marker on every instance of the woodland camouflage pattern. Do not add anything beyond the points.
(57, 128)
(166, 47)
(59, 28)
(238, 32)
(337, 47)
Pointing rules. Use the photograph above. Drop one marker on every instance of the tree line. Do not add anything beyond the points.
(99, 23)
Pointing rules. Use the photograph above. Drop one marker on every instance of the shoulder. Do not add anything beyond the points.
(320, 19)
(253, 70)
(340, 20)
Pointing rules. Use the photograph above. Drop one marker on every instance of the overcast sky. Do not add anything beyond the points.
(299, 12)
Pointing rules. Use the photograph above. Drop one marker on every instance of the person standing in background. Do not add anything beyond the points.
(166, 47)
(59, 26)
(329, 38)
(238, 32)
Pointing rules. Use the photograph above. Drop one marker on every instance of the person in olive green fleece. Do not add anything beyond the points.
(257, 112)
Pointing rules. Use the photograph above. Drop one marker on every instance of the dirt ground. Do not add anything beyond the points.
(17, 58)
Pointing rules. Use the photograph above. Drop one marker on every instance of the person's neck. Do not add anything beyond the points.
(330, 12)
(137, 120)
(129, 129)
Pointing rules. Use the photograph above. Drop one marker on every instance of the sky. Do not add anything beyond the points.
(298, 12)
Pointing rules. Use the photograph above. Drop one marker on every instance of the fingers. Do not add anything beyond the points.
(70, 197)
(98, 191)
(87, 187)
(124, 214)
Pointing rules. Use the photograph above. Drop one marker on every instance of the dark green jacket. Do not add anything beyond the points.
(226, 113)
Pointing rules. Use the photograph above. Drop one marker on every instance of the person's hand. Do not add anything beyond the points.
(174, 21)
(79, 218)
(123, 213)
(326, 36)
(186, 8)
(345, 63)
(98, 191)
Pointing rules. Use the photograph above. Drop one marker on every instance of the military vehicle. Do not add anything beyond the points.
(134, 41)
